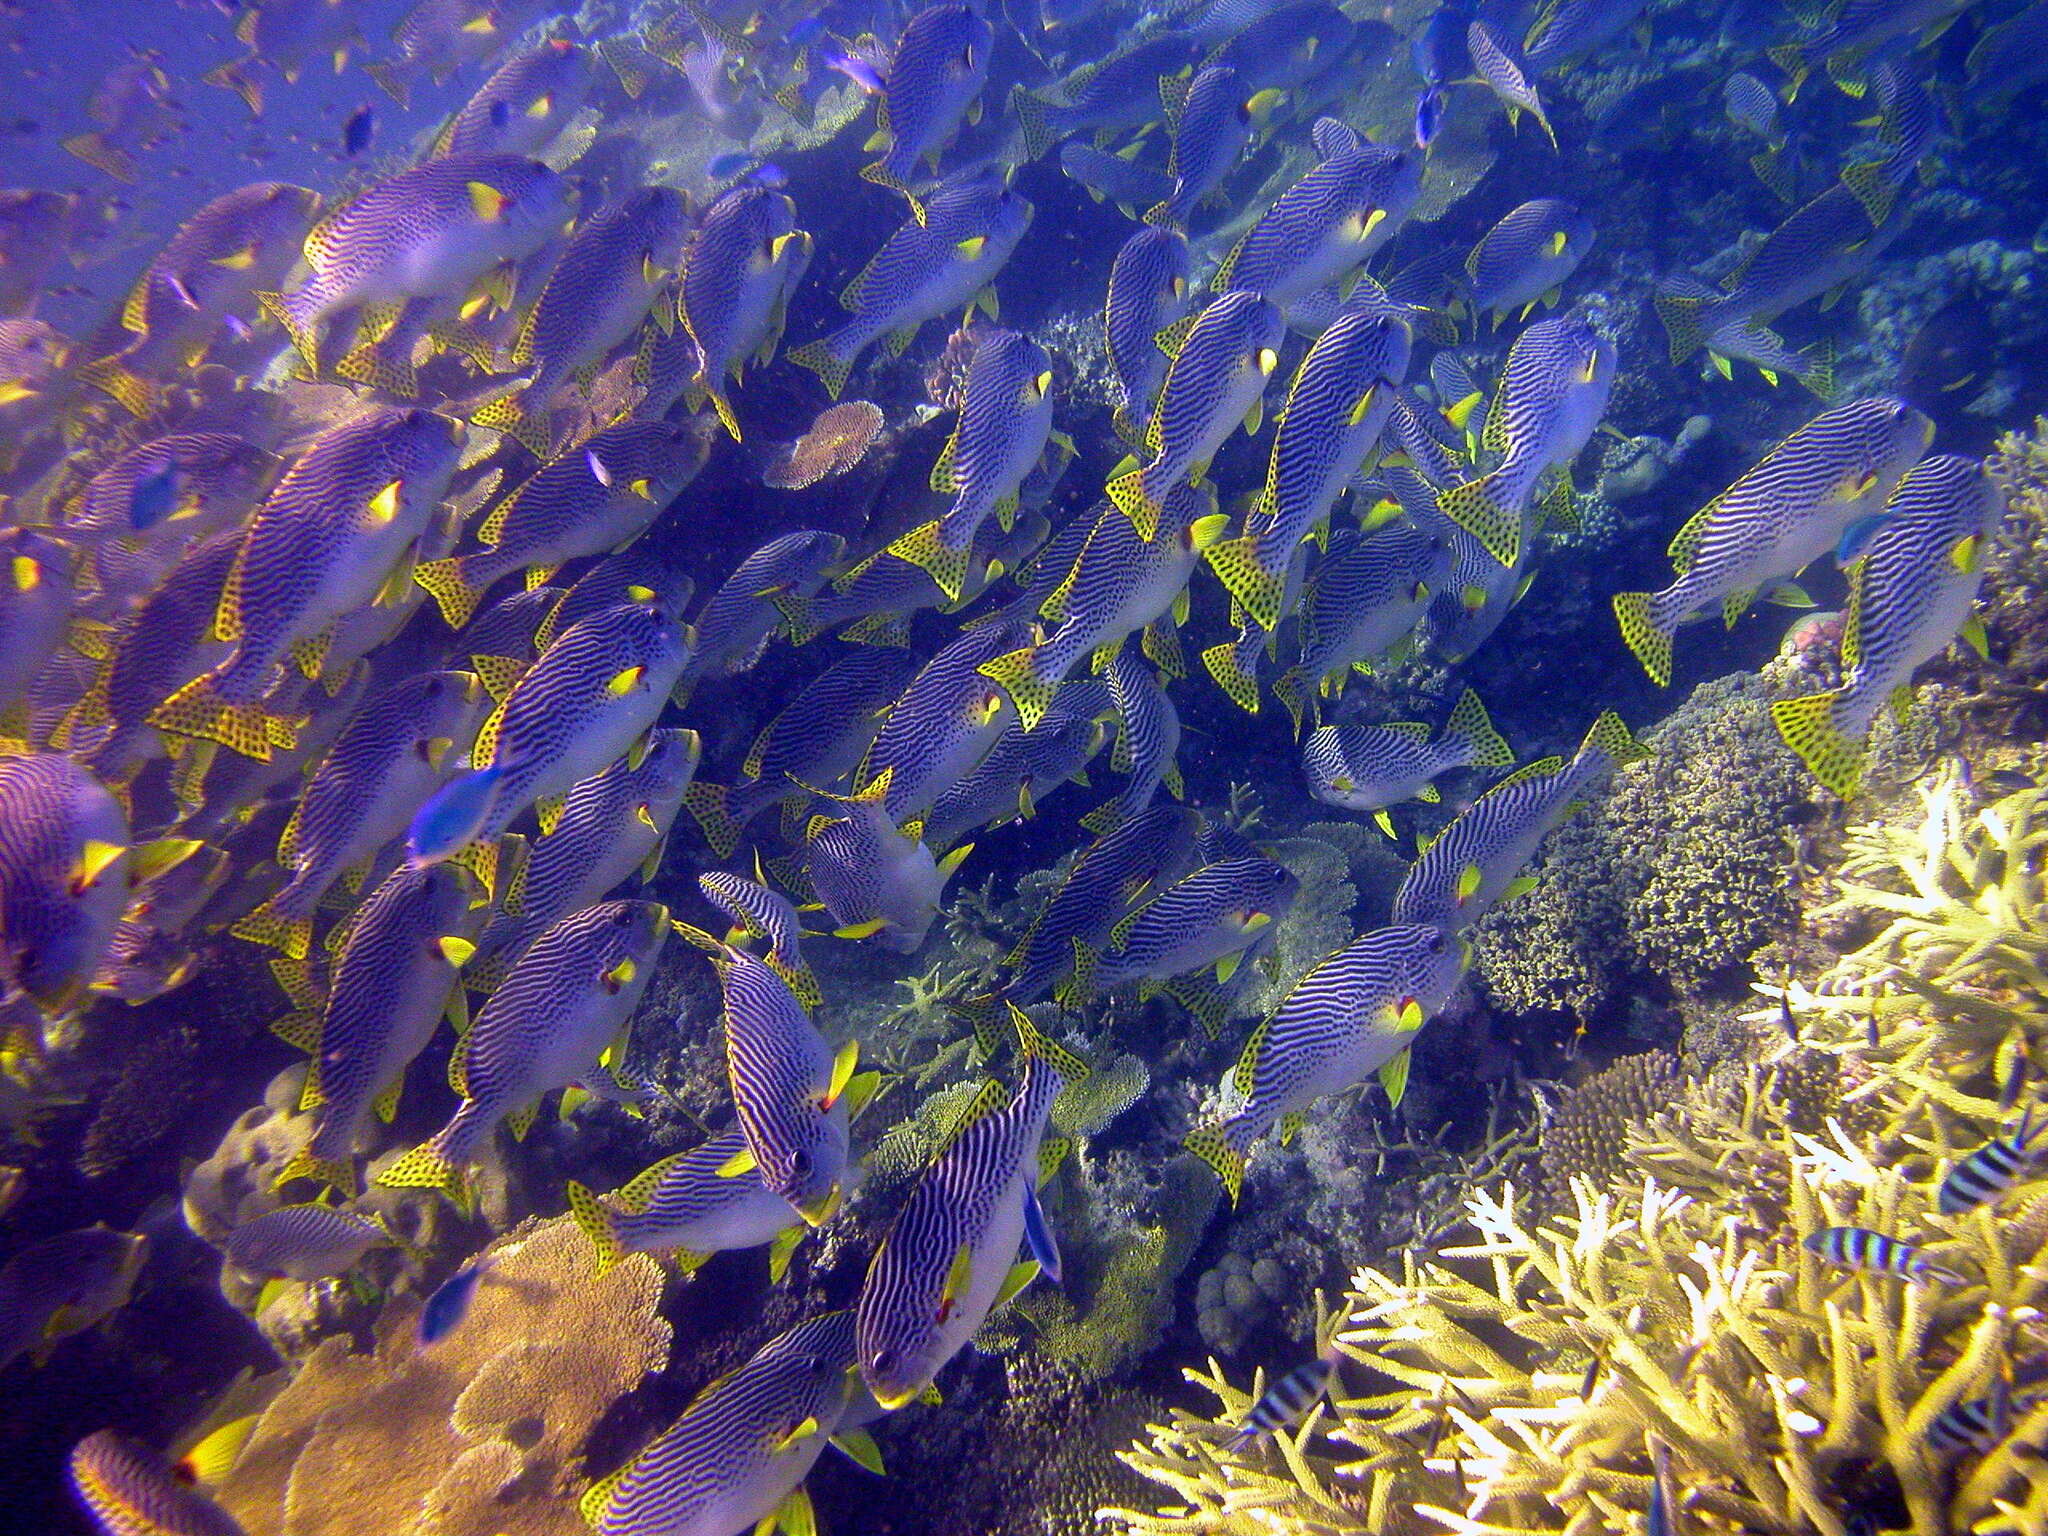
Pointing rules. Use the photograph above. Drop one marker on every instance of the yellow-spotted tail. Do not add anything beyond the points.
(1227, 667)
(598, 1224)
(266, 925)
(1611, 735)
(1473, 508)
(198, 710)
(136, 395)
(1469, 720)
(331, 1171)
(1017, 675)
(509, 414)
(709, 804)
(1258, 590)
(924, 548)
(446, 583)
(1649, 640)
(1684, 317)
(425, 1167)
(1832, 756)
(1127, 490)
(1214, 1145)
(831, 369)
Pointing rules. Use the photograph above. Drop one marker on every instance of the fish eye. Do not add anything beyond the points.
(623, 918)
(882, 1361)
(1437, 941)
(800, 1163)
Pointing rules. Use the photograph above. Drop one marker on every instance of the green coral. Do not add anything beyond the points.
(1676, 873)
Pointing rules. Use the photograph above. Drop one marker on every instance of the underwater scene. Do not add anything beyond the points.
(1024, 768)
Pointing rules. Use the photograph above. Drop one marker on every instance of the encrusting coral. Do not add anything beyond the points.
(479, 1434)
(1514, 1380)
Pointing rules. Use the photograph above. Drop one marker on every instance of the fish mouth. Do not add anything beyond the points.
(891, 1401)
(821, 1210)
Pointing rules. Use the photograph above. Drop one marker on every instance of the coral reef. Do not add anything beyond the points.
(480, 1435)
(1679, 873)
(2003, 696)
(833, 444)
(1584, 1136)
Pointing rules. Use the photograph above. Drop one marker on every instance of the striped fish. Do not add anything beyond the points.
(741, 1450)
(431, 231)
(1987, 1174)
(1908, 124)
(397, 750)
(395, 975)
(1352, 1016)
(1975, 1424)
(934, 75)
(687, 1206)
(1121, 581)
(1139, 854)
(567, 999)
(1911, 592)
(1147, 742)
(1215, 916)
(610, 825)
(1873, 1253)
(1217, 378)
(641, 574)
(185, 486)
(951, 1257)
(1285, 1402)
(1116, 92)
(1210, 117)
(599, 293)
(1370, 767)
(1327, 223)
(37, 595)
(168, 642)
(65, 871)
(1553, 390)
(525, 104)
(1005, 422)
(946, 720)
(874, 877)
(597, 496)
(1477, 860)
(1148, 293)
(576, 711)
(875, 598)
(1023, 767)
(971, 224)
(128, 1489)
(1525, 258)
(303, 1242)
(739, 618)
(820, 734)
(1331, 423)
(787, 1083)
(64, 1284)
(1362, 603)
(1813, 492)
(757, 912)
(1506, 74)
(330, 539)
(741, 263)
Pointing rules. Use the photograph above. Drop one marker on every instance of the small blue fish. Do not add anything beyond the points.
(449, 1303)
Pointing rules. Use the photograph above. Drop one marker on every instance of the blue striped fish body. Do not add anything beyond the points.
(1117, 92)
(428, 232)
(738, 620)
(876, 878)
(685, 1205)
(64, 874)
(1984, 1177)
(527, 101)
(390, 985)
(1478, 859)
(324, 544)
(1217, 378)
(396, 751)
(787, 1083)
(1119, 583)
(1020, 770)
(1148, 292)
(746, 1441)
(820, 734)
(1283, 46)
(1570, 29)
(1776, 519)
(1874, 1253)
(875, 596)
(1005, 420)
(1348, 1018)
(611, 824)
(599, 293)
(303, 1242)
(1364, 599)
(1507, 74)
(945, 722)
(1139, 854)
(572, 714)
(1368, 767)
(641, 574)
(935, 72)
(935, 1278)
(162, 496)
(1335, 410)
(1212, 917)
(740, 265)
(1121, 179)
(37, 596)
(1324, 225)
(598, 495)
(61, 1285)
(970, 227)
(130, 1490)
(1531, 252)
(1910, 593)
(1147, 741)
(1211, 123)
(568, 997)
(1553, 390)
